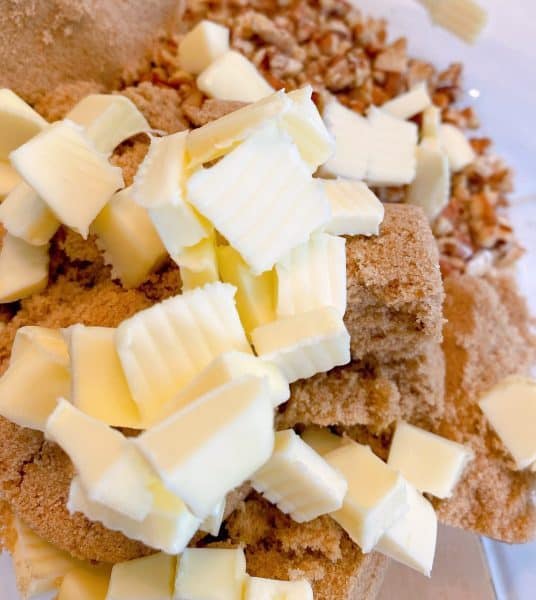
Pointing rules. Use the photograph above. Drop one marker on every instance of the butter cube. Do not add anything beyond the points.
(87, 582)
(376, 496)
(322, 440)
(431, 187)
(431, 123)
(108, 119)
(169, 526)
(158, 187)
(510, 407)
(212, 523)
(355, 209)
(23, 269)
(26, 216)
(129, 240)
(232, 76)
(464, 18)
(18, 122)
(456, 146)
(99, 387)
(261, 214)
(110, 468)
(429, 462)
(9, 178)
(198, 264)
(147, 578)
(214, 444)
(298, 480)
(353, 139)
(258, 588)
(312, 276)
(38, 374)
(412, 539)
(304, 344)
(225, 368)
(202, 45)
(409, 104)
(60, 164)
(255, 294)
(210, 574)
(164, 347)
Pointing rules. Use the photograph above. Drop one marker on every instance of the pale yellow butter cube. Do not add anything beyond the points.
(257, 588)
(86, 582)
(305, 344)
(464, 18)
(110, 468)
(18, 122)
(510, 407)
(147, 578)
(322, 440)
(26, 216)
(198, 265)
(9, 178)
(431, 123)
(232, 76)
(108, 119)
(164, 347)
(210, 574)
(410, 103)
(129, 240)
(214, 444)
(98, 385)
(298, 480)
(32, 339)
(23, 269)
(376, 496)
(62, 164)
(456, 146)
(212, 523)
(429, 462)
(202, 45)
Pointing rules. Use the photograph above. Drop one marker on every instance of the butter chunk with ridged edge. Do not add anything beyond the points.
(198, 265)
(38, 374)
(213, 444)
(312, 275)
(298, 480)
(376, 496)
(261, 198)
(87, 582)
(158, 187)
(304, 344)
(63, 166)
(147, 578)
(210, 574)
(162, 348)
(128, 239)
(23, 269)
(429, 462)
(202, 45)
(410, 103)
(110, 468)
(9, 178)
(258, 588)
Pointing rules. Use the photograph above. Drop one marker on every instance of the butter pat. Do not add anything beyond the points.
(225, 368)
(147, 578)
(37, 376)
(431, 123)
(322, 440)
(456, 146)
(298, 480)
(429, 462)
(463, 18)
(412, 539)
(212, 523)
(99, 387)
(26, 216)
(304, 344)
(355, 209)
(108, 119)
(202, 45)
(510, 407)
(164, 347)
(23, 269)
(198, 264)
(409, 104)
(214, 444)
(312, 276)
(210, 574)
(233, 77)
(169, 526)
(129, 240)
(9, 178)
(18, 122)
(110, 468)
(261, 198)
(255, 294)
(158, 187)
(258, 588)
(60, 164)
(86, 582)
(376, 496)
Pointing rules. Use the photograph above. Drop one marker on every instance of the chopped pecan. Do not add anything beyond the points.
(394, 58)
